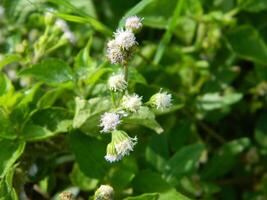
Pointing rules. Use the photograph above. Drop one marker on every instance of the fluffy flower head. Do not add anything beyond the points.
(131, 102)
(114, 52)
(133, 23)
(125, 39)
(109, 121)
(117, 83)
(161, 100)
(104, 192)
(123, 143)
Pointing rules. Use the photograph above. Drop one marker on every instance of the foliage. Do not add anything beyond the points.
(209, 56)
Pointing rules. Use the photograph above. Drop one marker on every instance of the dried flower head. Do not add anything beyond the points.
(109, 121)
(125, 39)
(66, 196)
(114, 52)
(131, 102)
(133, 23)
(104, 192)
(123, 143)
(111, 155)
(161, 100)
(117, 83)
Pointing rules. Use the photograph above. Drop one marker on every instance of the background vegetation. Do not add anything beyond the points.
(212, 57)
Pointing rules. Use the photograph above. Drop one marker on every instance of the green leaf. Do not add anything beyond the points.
(225, 159)
(7, 192)
(148, 196)
(89, 153)
(183, 162)
(157, 152)
(10, 152)
(6, 129)
(78, 179)
(248, 44)
(9, 58)
(252, 6)
(211, 101)
(50, 71)
(150, 182)
(86, 110)
(260, 133)
(145, 118)
(120, 178)
(46, 123)
(97, 25)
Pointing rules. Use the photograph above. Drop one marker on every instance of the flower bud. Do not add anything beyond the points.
(104, 192)
(131, 103)
(111, 155)
(117, 83)
(133, 23)
(161, 100)
(123, 143)
(49, 18)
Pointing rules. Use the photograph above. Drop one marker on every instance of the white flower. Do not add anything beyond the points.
(109, 121)
(125, 39)
(123, 143)
(133, 23)
(162, 100)
(117, 83)
(62, 25)
(111, 155)
(131, 102)
(114, 52)
(104, 192)
(69, 36)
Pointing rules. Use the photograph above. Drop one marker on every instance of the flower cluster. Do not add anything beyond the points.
(119, 49)
(125, 103)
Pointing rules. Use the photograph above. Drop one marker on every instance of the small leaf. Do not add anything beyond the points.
(145, 118)
(50, 71)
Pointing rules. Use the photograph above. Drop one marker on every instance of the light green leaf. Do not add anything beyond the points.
(10, 152)
(7, 192)
(248, 44)
(88, 109)
(145, 118)
(50, 71)
(212, 101)
(9, 58)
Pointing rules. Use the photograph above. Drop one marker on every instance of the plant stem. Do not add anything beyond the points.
(125, 67)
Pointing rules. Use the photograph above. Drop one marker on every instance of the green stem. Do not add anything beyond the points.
(125, 67)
